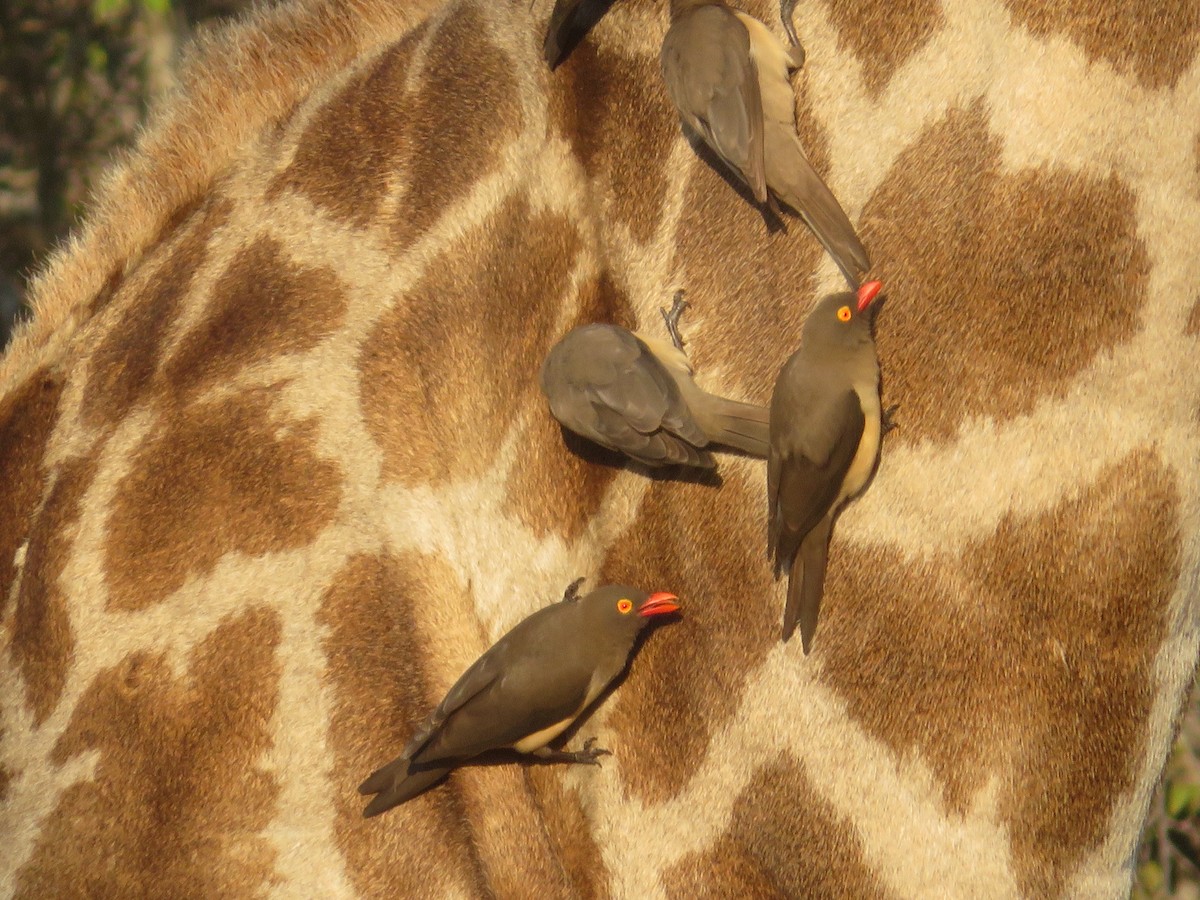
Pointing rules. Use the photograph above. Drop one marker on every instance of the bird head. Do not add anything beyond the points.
(843, 319)
(627, 608)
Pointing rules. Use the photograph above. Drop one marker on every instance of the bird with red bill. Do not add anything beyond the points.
(825, 435)
(526, 689)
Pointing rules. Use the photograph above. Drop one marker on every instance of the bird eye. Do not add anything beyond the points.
(624, 605)
(844, 314)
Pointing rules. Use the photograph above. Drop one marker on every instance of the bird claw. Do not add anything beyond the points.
(591, 754)
(887, 423)
(571, 594)
(796, 55)
(678, 305)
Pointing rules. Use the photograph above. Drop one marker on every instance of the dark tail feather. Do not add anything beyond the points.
(745, 426)
(393, 785)
(570, 21)
(806, 584)
(382, 777)
(806, 193)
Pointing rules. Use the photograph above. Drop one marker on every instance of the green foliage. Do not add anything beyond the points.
(76, 77)
(1169, 854)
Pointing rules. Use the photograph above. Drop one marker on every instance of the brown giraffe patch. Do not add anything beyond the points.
(688, 679)
(553, 456)
(263, 304)
(783, 840)
(352, 147)
(1193, 322)
(177, 778)
(884, 36)
(988, 313)
(126, 359)
(1155, 42)
(1030, 659)
(615, 113)
(376, 666)
(27, 417)
(221, 477)
(42, 640)
(744, 299)
(457, 836)
(568, 833)
(109, 290)
(465, 344)
(460, 120)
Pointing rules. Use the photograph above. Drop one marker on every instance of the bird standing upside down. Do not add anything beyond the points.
(727, 74)
(826, 426)
(526, 690)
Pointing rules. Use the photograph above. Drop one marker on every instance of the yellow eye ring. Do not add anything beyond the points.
(844, 314)
(624, 605)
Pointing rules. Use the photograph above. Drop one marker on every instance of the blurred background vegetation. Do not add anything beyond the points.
(75, 81)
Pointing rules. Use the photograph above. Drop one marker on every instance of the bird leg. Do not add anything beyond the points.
(678, 305)
(887, 420)
(589, 755)
(787, 9)
(571, 594)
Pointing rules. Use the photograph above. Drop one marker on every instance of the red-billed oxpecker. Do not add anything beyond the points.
(526, 690)
(826, 426)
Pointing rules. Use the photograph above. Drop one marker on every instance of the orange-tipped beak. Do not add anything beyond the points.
(867, 293)
(659, 604)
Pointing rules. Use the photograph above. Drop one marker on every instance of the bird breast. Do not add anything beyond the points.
(771, 60)
(868, 444)
(540, 739)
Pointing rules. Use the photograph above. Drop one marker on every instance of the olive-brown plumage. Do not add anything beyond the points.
(727, 74)
(634, 394)
(826, 426)
(525, 690)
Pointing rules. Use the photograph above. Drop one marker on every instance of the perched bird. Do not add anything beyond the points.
(527, 689)
(635, 394)
(727, 74)
(826, 426)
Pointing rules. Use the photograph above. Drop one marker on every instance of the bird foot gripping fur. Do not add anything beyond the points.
(787, 10)
(888, 420)
(588, 756)
(678, 305)
(571, 594)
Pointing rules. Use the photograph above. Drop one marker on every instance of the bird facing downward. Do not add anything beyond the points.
(525, 690)
(727, 74)
(636, 395)
(826, 425)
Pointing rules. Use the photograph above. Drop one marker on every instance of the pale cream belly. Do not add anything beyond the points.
(771, 60)
(540, 739)
(868, 448)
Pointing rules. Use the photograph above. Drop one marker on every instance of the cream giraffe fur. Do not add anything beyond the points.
(308, 626)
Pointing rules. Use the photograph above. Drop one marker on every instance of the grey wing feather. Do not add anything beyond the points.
(519, 699)
(713, 82)
(482, 673)
(810, 471)
(605, 384)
